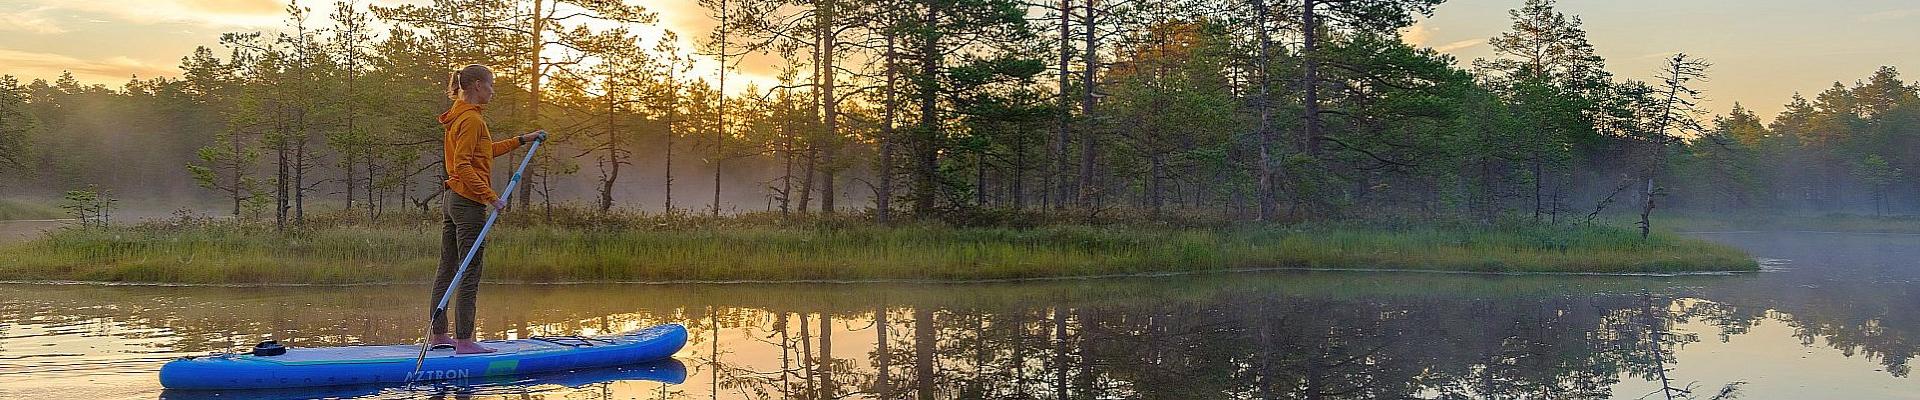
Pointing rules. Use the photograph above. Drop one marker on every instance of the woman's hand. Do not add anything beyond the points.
(498, 206)
(538, 135)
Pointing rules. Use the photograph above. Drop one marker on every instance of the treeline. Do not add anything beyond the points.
(1850, 148)
(1259, 110)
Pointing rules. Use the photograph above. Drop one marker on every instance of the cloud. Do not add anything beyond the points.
(695, 24)
(1890, 15)
(112, 70)
(224, 13)
(1459, 45)
(1416, 35)
(29, 21)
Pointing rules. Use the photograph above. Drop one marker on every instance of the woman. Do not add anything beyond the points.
(469, 151)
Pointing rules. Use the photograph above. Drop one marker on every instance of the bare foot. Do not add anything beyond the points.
(469, 347)
(440, 339)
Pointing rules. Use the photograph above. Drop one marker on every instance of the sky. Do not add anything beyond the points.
(1762, 51)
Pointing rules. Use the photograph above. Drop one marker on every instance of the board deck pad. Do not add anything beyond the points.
(359, 365)
(400, 352)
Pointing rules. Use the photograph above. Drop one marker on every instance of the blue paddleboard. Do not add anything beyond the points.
(667, 370)
(360, 365)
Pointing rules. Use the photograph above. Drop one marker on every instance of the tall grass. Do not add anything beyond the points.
(239, 252)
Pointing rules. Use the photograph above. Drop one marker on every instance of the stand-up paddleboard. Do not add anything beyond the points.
(667, 371)
(360, 365)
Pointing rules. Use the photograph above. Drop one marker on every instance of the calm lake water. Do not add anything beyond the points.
(1835, 317)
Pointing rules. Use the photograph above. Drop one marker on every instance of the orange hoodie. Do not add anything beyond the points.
(470, 151)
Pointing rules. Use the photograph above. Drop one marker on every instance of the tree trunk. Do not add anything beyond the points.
(883, 200)
(720, 134)
(300, 175)
(350, 180)
(980, 178)
(786, 149)
(830, 109)
(1017, 188)
(1088, 385)
(926, 148)
(1646, 225)
(786, 360)
(882, 383)
(375, 193)
(280, 193)
(673, 115)
(806, 182)
(923, 351)
(1310, 81)
(828, 388)
(238, 176)
(533, 83)
(1538, 186)
(1265, 191)
(1156, 179)
(1060, 353)
(1087, 150)
(613, 152)
(1061, 136)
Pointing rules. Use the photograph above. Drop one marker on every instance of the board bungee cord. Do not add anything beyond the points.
(440, 307)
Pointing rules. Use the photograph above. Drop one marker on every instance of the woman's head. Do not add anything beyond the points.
(473, 83)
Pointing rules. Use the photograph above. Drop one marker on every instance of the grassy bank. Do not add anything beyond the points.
(219, 252)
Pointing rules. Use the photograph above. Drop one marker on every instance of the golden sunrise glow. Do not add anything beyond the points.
(1763, 51)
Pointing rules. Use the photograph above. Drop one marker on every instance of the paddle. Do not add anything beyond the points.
(427, 343)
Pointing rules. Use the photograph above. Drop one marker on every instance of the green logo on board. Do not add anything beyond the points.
(502, 367)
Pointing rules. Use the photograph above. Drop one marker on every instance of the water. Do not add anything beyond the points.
(1835, 318)
(12, 231)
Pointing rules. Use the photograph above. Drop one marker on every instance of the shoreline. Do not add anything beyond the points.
(1763, 269)
(237, 254)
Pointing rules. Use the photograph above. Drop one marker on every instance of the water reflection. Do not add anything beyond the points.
(1305, 335)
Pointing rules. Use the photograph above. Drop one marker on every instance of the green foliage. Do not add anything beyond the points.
(16, 123)
(92, 206)
(1879, 176)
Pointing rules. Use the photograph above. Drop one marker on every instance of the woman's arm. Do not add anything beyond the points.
(503, 146)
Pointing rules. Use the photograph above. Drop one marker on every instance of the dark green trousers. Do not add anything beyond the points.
(460, 227)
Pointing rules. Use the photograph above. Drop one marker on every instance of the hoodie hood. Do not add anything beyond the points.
(459, 106)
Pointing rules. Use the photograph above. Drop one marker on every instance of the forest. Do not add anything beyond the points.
(1263, 110)
(1185, 121)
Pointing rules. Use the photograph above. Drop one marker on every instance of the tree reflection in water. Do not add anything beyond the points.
(1268, 336)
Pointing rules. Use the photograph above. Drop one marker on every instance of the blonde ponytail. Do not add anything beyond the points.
(459, 80)
(453, 86)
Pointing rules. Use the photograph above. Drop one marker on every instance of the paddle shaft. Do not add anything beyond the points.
(472, 251)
